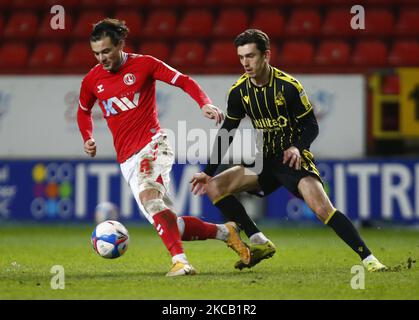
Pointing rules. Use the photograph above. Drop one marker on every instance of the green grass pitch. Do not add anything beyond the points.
(311, 263)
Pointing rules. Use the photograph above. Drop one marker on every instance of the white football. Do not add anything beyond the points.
(110, 239)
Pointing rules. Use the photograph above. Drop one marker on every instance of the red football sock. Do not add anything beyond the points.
(196, 229)
(165, 223)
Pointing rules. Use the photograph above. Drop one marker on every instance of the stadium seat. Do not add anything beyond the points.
(201, 3)
(332, 53)
(230, 23)
(408, 22)
(94, 4)
(195, 23)
(304, 22)
(161, 24)
(28, 5)
(295, 53)
(187, 54)
(404, 53)
(338, 23)
(79, 57)
(158, 49)
(13, 55)
(133, 20)
(378, 22)
(129, 4)
(164, 3)
(67, 4)
(270, 21)
(222, 54)
(21, 26)
(83, 26)
(4, 4)
(307, 2)
(370, 53)
(46, 32)
(1, 26)
(390, 84)
(47, 55)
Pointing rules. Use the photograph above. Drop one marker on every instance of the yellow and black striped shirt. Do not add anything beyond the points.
(275, 109)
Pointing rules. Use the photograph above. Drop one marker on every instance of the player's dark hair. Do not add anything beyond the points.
(115, 29)
(253, 36)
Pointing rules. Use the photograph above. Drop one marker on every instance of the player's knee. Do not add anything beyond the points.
(154, 206)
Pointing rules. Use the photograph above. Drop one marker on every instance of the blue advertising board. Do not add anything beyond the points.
(56, 190)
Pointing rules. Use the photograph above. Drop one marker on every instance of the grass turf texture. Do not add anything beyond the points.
(311, 263)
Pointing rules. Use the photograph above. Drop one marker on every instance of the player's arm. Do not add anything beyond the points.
(300, 106)
(84, 119)
(163, 72)
(222, 142)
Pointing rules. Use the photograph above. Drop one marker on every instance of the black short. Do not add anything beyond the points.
(275, 174)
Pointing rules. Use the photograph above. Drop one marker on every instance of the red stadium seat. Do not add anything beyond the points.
(408, 22)
(79, 57)
(188, 54)
(304, 22)
(295, 53)
(46, 32)
(21, 26)
(331, 53)
(378, 22)
(270, 21)
(1, 26)
(157, 49)
(47, 55)
(13, 55)
(195, 23)
(230, 23)
(201, 3)
(404, 53)
(25, 4)
(95, 4)
(164, 3)
(222, 54)
(370, 53)
(307, 2)
(160, 23)
(133, 21)
(67, 4)
(338, 23)
(4, 4)
(84, 24)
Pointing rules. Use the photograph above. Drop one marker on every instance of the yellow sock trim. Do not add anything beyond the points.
(221, 198)
(330, 216)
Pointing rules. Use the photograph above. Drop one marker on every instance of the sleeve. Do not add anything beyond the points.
(222, 142)
(235, 108)
(310, 131)
(297, 100)
(84, 111)
(163, 72)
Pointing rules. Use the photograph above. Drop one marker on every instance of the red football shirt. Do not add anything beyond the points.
(127, 98)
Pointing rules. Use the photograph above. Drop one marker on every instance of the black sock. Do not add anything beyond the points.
(347, 232)
(233, 210)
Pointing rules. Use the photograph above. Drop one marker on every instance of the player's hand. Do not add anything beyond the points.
(212, 112)
(293, 157)
(90, 147)
(199, 182)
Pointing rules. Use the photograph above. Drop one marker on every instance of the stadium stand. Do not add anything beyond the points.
(308, 35)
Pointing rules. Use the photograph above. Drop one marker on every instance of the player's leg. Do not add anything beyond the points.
(316, 198)
(193, 228)
(221, 190)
